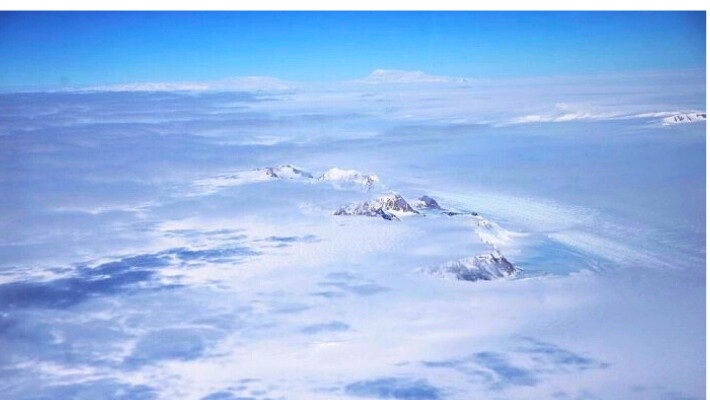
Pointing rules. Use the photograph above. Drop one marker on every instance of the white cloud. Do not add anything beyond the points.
(247, 83)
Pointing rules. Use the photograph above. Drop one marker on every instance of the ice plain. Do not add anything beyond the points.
(148, 253)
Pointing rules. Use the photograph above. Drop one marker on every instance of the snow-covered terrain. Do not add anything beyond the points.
(349, 177)
(484, 267)
(284, 172)
(390, 206)
(684, 118)
(339, 178)
(261, 239)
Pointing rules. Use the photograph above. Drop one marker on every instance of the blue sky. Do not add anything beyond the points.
(110, 47)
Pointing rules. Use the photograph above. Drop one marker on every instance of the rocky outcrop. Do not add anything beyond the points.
(428, 203)
(684, 118)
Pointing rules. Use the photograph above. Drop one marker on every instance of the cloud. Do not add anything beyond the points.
(85, 282)
(247, 84)
(507, 374)
(333, 326)
(360, 289)
(535, 361)
(67, 292)
(551, 358)
(171, 344)
(394, 388)
(223, 395)
(489, 368)
(96, 389)
(225, 254)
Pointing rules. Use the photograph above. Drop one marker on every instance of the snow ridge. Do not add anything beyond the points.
(343, 178)
(287, 171)
(340, 178)
(484, 267)
(487, 231)
(390, 206)
(684, 118)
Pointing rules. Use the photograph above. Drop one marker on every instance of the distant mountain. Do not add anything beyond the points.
(491, 233)
(391, 206)
(427, 202)
(283, 172)
(684, 118)
(452, 213)
(349, 177)
(484, 267)
(287, 171)
(338, 177)
(389, 76)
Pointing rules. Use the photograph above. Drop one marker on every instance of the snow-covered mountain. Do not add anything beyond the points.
(491, 233)
(284, 172)
(453, 213)
(390, 76)
(338, 177)
(483, 267)
(287, 171)
(684, 118)
(427, 202)
(346, 178)
(390, 206)
(395, 203)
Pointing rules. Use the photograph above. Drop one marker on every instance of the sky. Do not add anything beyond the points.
(41, 49)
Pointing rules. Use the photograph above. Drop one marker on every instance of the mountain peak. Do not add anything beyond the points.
(347, 177)
(390, 206)
(287, 171)
(484, 267)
